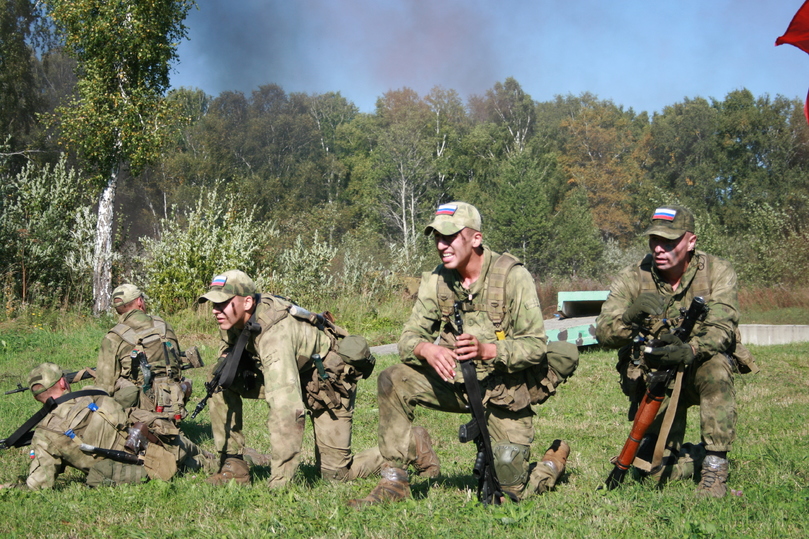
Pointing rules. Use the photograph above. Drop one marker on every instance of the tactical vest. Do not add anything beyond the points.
(700, 285)
(161, 354)
(493, 301)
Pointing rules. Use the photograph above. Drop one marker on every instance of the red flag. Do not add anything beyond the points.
(797, 34)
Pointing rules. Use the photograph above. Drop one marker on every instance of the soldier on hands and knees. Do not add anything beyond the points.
(296, 361)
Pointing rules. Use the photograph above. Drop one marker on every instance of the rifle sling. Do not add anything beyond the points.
(470, 380)
(47, 408)
(668, 419)
(232, 362)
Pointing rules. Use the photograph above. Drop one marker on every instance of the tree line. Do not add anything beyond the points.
(270, 181)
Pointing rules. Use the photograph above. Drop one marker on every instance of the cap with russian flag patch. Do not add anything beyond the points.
(228, 284)
(671, 222)
(453, 217)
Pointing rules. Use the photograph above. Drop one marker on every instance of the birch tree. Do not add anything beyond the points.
(116, 120)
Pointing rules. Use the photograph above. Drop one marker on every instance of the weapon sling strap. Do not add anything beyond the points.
(47, 408)
(495, 300)
(470, 380)
(232, 362)
(668, 419)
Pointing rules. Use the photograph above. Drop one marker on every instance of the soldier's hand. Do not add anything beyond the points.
(441, 359)
(469, 347)
(668, 351)
(647, 303)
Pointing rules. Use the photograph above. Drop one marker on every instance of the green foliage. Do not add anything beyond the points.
(216, 235)
(40, 212)
(303, 273)
(575, 248)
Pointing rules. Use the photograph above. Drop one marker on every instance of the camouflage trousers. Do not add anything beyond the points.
(708, 385)
(402, 387)
(332, 434)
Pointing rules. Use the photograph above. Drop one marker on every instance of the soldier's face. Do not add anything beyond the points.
(456, 250)
(672, 255)
(232, 313)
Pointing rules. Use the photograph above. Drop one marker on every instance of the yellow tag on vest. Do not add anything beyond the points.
(501, 335)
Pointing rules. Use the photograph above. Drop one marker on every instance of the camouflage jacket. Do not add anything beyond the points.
(715, 334)
(57, 437)
(275, 350)
(525, 342)
(114, 360)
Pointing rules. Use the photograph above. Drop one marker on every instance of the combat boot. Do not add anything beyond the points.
(545, 474)
(714, 477)
(254, 458)
(426, 463)
(234, 469)
(393, 487)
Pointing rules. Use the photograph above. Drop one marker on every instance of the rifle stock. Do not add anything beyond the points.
(652, 400)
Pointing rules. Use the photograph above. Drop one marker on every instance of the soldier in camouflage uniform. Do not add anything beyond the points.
(656, 289)
(278, 366)
(121, 375)
(99, 420)
(506, 353)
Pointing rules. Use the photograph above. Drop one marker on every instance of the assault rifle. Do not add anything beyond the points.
(489, 490)
(657, 383)
(71, 377)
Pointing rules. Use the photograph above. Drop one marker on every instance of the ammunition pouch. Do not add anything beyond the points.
(745, 362)
(535, 385)
(325, 381)
(108, 473)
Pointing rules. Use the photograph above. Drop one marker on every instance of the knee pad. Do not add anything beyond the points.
(511, 463)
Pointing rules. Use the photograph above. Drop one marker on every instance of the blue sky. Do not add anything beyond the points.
(642, 54)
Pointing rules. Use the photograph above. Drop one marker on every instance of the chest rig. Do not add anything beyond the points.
(493, 300)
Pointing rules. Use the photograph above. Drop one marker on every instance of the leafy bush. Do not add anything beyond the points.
(38, 223)
(214, 236)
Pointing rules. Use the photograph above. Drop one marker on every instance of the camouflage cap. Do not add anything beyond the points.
(124, 294)
(46, 375)
(453, 217)
(226, 285)
(671, 222)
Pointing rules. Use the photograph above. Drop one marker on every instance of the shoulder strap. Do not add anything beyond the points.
(701, 286)
(19, 438)
(126, 333)
(234, 358)
(646, 282)
(496, 289)
(495, 305)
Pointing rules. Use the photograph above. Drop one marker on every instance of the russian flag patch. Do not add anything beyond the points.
(446, 209)
(666, 214)
(219, 280)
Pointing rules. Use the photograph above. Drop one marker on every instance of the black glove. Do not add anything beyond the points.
(668, 351)
(645, 304)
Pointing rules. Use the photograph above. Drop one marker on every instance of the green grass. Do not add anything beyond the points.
(769, 465)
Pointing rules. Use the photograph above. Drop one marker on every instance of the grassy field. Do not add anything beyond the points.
(769, 465)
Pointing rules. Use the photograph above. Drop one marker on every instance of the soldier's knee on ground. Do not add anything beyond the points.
(511, 466)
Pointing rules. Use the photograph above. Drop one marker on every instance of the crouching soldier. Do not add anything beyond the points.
(139, 359)
(503, 334)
